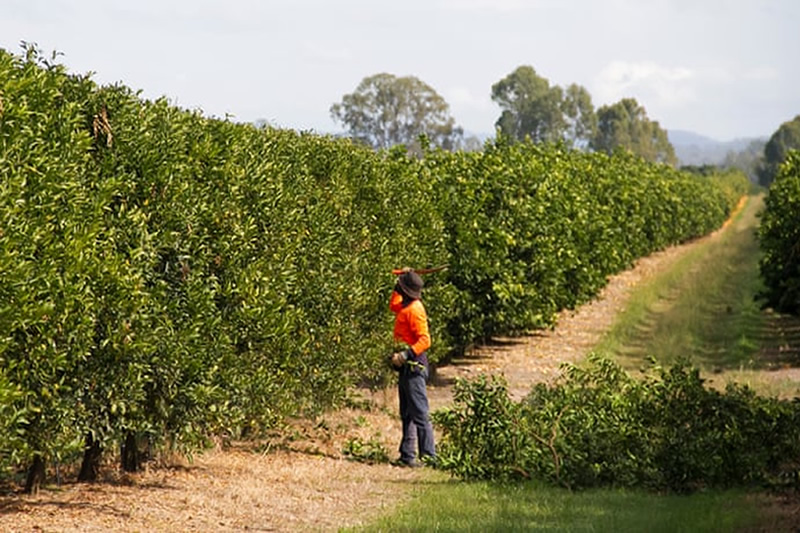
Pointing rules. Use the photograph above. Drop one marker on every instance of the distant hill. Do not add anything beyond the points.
(694, 149)
(684, 138)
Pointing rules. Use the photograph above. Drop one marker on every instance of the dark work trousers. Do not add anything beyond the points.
(417, 427)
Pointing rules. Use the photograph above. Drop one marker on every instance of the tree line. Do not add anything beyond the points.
(386, 110)
(762, 158)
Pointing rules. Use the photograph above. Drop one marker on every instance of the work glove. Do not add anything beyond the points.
(398, 359)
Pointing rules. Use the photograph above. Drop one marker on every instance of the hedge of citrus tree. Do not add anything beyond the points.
(166, 276)
(780, 238)
(531, 230)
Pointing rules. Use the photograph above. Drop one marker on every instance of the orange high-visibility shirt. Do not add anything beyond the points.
(410, 323)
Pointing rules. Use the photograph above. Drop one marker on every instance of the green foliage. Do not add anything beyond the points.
(385, 111)
(600, 427)
(370, 451)
(47, 210)
(534, 229)
(171, 277)
(625, 125)
(780, 238)
(484, 438)
(534, 109)
(733, 183)
(12, 424)
(786, 138)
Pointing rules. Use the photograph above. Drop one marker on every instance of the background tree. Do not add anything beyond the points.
(786, 138)
(532, 107)
(625, 124)
(580, 115)
(470, 143)
(385, 111)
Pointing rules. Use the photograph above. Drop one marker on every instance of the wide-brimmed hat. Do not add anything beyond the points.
(411, 284)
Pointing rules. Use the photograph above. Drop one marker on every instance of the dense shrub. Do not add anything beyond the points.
(533, 229)
(47, 230)
(600, 427)
(780, 238)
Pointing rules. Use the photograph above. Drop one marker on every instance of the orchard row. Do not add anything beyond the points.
(165, 276)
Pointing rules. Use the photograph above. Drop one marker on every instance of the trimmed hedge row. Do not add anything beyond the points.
(166, 276)
(531, 230)
(780, 238)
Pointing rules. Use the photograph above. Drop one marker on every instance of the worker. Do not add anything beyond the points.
(411, 328)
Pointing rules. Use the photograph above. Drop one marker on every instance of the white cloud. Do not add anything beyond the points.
(647, 81)
(735, 73)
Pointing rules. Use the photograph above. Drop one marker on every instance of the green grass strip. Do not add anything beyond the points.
(486, 507)
(703, 307)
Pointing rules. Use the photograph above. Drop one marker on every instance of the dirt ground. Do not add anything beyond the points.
(305, 482)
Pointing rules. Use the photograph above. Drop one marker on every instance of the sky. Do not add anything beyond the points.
(725, 69)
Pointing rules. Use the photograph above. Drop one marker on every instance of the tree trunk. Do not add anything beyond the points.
(131, 461)
(35, 475)
(92, 453)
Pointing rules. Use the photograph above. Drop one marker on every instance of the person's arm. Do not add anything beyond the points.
(419, 326)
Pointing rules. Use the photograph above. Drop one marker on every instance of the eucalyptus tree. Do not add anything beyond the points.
(386, 110)
(625, 125)
(533, 108)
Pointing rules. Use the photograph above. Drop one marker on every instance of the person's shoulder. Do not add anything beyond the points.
(417, 307)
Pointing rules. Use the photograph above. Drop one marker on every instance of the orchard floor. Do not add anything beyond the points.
(302, 481)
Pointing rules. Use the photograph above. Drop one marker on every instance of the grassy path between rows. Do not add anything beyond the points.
(706, 308)
(487, 507)
(702, 307)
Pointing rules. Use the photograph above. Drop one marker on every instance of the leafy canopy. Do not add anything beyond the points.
(786, 138)
(533, 108)
(625, 125)
(780, 238)
(385, 111)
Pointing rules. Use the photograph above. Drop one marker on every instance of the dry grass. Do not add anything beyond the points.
(235, 489)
